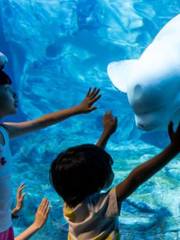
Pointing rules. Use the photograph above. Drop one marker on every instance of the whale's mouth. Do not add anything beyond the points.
(145, 127)
(151, 120)
(141, 126)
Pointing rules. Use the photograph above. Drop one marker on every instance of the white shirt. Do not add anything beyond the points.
(5, 182)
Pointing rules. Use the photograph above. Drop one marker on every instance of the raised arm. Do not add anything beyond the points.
(86, 106)
(40, 219)
(109, 127)
(146, 170)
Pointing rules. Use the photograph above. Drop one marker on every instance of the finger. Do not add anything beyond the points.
(106, 114)
(20, 190)
(88, 92)
(41, 204)
(23, 195)
(94, 99)
(92, 109)
(45, 207)
(44, 202)
(110, 113)
(40, 207)
(94, 93)
(22, 186)
(21, 198)
(47, 211)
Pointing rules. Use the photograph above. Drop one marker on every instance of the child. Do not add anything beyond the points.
(80, 173)
(8, 106)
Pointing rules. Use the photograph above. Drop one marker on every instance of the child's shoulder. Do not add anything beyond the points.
(105, 201)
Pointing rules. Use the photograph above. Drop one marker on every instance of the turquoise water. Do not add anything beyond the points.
(56, 50)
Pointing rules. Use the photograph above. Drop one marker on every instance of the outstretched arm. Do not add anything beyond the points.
(109, 127)
(86, 106)
(40, 219)
(146, 170)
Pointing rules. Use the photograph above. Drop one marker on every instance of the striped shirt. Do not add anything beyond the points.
(96, 218)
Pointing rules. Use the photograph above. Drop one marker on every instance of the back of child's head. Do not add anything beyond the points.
(4, 78)
(79, 172)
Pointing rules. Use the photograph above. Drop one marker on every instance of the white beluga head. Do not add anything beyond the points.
(152, 82)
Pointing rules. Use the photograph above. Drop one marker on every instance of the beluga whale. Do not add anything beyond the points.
(152, 82)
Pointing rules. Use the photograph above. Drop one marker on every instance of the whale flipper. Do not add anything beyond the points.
(119, 73)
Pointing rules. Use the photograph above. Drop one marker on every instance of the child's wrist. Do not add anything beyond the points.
(15, 210)
(175, 147)
(14, 214)
(77, 109)
(35, 226)
(107, 132)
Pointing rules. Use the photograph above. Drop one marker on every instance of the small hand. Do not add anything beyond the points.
(41, 214)
(86, 105)
(20, 197)
(174, 135)
(110, 122)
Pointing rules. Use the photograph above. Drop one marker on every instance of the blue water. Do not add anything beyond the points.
(56, 50)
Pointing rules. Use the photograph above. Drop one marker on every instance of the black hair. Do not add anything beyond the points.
(4, 78)
(79, 172)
